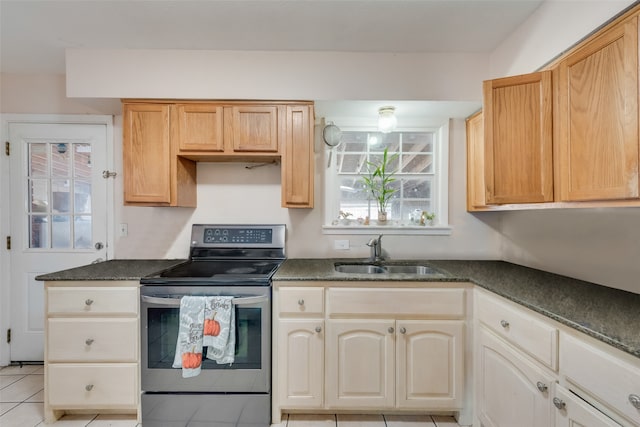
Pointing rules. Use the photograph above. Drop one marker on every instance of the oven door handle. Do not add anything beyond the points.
(175, 302)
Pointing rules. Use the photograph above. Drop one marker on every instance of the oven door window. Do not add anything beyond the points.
(162, 333)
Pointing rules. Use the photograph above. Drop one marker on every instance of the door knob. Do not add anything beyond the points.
(99, 245)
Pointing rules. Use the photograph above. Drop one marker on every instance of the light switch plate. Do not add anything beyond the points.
(341, 245)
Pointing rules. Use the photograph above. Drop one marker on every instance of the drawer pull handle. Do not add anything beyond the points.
(403, 330)
(89, 341)
(559, 403)
(504, 323)
(318, 329)
(391, 329)
(541, 386)
(89, 301)
(301, 302)
(89, 387)
(634, 399)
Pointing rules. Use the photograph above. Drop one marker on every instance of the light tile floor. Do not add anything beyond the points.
(22, 397)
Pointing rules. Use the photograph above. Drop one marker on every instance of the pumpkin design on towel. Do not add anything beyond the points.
(191, 360)
(212, 326)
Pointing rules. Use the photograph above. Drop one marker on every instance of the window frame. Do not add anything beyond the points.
(440, 190)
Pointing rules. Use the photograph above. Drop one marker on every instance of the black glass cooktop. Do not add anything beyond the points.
(213, 270)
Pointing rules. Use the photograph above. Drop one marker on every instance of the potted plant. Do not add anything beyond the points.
(378, 183)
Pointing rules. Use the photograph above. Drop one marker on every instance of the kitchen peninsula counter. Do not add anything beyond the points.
(607, 314)
(117, 269)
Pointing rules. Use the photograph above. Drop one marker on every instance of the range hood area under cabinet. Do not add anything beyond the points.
(566, 136)
(163, 140)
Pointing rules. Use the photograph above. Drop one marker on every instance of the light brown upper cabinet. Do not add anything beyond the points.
(297, 158)
(153, 174)
(597, 117)
(518, 133)
(164, 139)
(475, 162)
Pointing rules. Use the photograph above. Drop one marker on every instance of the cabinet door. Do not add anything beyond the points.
(573, 412)
(598, 118)
(254, 128)
(301, 363)
(147, 153)
(198, 127)
(430, 364)
(507, 389)
(475, 162)
(360, 364)
(297, 158)
(518, 139)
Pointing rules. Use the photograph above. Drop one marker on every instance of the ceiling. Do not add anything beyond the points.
(34, 34)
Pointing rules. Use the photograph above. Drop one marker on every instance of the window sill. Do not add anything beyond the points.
(438, 230)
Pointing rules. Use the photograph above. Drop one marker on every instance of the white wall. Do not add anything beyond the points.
(598, 245)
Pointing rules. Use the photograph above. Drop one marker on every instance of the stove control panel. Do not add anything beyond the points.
(237, 236)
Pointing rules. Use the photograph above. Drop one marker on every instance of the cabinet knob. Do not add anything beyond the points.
(504, 323)
(390, 329)
(542, 386)
(89, 387)
(403, 330)
(88, 301)
(300, 301)
(89, 341)
(559, 403)
(634, 399)
(318, 329)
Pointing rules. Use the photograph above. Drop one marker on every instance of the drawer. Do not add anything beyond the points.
(90, 300)
(609, 379)
(396, 303)
(536, 337)
(301, 301)
(92, 340)
(79, 386)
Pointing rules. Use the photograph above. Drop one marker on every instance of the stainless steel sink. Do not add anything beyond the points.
(359, 269)
(417, 270)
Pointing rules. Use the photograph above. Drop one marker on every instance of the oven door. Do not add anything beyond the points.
(160, 314)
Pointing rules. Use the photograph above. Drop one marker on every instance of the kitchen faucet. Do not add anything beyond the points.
(376, 249)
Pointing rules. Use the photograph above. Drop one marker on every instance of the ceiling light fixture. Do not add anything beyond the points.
(387, 120)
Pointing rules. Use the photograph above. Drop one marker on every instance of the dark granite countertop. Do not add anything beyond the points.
(607, 314)
(116, 269)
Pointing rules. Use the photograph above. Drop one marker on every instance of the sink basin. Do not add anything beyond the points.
(359, 269)
(418, 270)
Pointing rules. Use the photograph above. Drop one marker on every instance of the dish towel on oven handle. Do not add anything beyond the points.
(220, 329)
(190, 332)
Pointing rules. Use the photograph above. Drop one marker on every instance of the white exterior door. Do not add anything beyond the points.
(58, 216)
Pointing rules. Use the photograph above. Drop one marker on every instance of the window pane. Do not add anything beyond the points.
(82, 201)
(417, 142)
(392, 160)
(60, 160)
(38, 231)
(412, 209)
(61, 231)
(82, 161)
(38, 163)
(416, 188)
(417, 163)
(60, 194)
(39, 195)
(354, 142)
(351, 163)
(82, 232)
(378, 141)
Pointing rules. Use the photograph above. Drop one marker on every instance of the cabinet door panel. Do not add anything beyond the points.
(199, 127)
(255, 128)
(147, 153)
(297, 158)
(598, 118)
(507, 393)
(301, 363)
(518, 139)
(430, 364)
(577, 413)
(475, 162)
(360, 364)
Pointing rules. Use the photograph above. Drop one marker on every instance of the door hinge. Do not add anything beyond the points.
(8, 335)
(8, 243)
(7, 148)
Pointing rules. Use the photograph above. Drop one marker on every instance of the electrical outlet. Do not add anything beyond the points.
(124, 230)
(341, 245)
